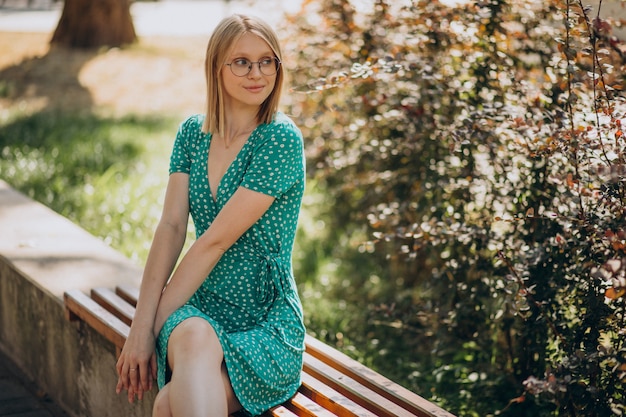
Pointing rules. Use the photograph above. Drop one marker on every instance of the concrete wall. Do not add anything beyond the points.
(42, 255)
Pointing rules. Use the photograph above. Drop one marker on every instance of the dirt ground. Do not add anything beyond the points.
(156, 75)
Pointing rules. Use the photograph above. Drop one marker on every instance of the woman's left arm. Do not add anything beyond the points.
(243, 209)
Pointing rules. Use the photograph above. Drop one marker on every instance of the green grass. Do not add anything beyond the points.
(107, 175)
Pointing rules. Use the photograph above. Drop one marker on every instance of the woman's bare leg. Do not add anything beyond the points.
(200, 385)
(162, 407)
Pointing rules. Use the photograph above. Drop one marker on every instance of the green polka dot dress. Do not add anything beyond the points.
(250, 297)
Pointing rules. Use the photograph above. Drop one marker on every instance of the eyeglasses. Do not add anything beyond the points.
(242, 66)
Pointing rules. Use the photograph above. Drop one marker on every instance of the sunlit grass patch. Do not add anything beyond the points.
(106, 174)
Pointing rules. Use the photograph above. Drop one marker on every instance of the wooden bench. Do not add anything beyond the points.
(332, 383)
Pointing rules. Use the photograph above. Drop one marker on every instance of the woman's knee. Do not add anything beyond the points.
(161, 407)
(193, 337)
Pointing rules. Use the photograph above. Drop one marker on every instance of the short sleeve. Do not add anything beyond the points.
(278, 160)
(186, 140)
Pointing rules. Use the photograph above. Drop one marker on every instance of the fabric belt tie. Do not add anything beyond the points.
(275, 282)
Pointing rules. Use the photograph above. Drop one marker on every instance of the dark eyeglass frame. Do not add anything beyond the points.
(276, 66)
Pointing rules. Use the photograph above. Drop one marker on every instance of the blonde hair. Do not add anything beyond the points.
(224, 37)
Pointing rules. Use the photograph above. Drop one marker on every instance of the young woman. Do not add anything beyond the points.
(227, 321)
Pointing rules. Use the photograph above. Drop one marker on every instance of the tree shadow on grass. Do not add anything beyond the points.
(53, 144)
(50, 81)
(49, 122)
(57, 148)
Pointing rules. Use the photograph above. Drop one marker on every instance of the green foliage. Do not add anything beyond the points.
(473, 162)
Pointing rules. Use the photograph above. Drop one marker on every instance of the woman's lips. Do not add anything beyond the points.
(255, 88)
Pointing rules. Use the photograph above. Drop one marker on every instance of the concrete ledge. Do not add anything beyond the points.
(42, 254)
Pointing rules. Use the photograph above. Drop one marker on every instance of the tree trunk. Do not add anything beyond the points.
(94, 23)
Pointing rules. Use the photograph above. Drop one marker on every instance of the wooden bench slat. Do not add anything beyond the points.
(279, 411)
(114, 304)
(352, 389)
(92, 313)
(129, 293)
(305, 407)
(331, 399)
(373, 380)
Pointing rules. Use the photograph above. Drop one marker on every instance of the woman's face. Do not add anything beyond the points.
(249, 89)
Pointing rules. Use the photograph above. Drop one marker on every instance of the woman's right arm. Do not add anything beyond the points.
(169, 238)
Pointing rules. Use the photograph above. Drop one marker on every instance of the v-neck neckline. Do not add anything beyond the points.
(215, 193)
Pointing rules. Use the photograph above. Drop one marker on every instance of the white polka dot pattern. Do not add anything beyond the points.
(250, 297)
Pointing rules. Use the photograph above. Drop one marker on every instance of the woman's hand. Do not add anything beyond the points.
(136, 366)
